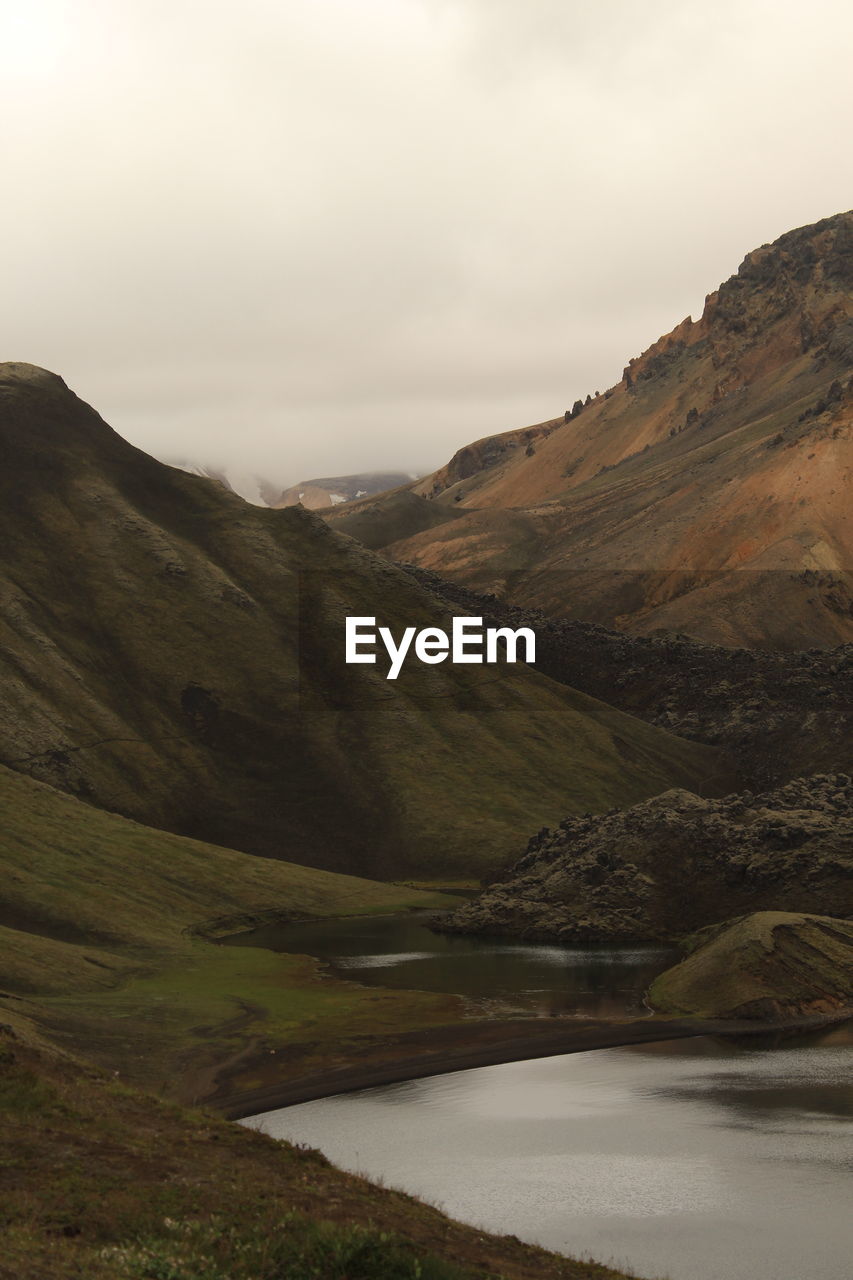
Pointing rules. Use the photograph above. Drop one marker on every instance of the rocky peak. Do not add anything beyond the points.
(804, 278)
(17, 375)
(37, 407)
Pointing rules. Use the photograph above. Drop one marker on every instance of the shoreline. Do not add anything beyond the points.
(466, 1047)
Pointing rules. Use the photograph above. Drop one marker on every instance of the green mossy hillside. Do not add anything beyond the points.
(766, 966)
(173, 654)
(104, 928)
(78, 883)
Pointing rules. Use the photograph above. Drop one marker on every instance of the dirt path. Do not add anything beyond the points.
(203, 1081)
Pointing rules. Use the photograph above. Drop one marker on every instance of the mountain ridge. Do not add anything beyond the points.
(175, 655)
(726, 447)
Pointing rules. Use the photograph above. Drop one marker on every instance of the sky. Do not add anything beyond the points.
(311, 237)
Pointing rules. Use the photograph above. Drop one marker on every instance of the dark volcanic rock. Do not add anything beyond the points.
(674, 864)
(776, 715)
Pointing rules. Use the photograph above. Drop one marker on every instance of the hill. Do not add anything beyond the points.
(100, 1181)
(88, 897)
(766, 966)
(107, 933)
(706, 493)
(174, 655)
(777, 715)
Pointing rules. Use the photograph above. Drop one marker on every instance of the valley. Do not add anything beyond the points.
(198, 759)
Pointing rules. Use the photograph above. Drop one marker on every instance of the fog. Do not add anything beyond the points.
(324, 236)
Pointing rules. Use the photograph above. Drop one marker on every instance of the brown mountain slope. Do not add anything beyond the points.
(173, 654)
(708, 492)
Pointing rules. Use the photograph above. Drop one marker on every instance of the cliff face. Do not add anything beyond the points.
(707, 493)
(674, 864)
(472, 460)
(175, 655)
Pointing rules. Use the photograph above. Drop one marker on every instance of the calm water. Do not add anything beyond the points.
(689, 1159)
(399, 951)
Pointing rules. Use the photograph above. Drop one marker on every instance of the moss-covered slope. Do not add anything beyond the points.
(170, 653)
(87, 896)
(104, 945)
(769, 965)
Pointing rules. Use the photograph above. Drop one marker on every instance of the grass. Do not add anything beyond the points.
(98, 1180)
(171, 1028)
(74, 874)
(465, 885)
(104, 940)
(300, 1249)
(765, 965)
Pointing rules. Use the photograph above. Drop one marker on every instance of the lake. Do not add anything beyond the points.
(401, 952)
(693, 1159)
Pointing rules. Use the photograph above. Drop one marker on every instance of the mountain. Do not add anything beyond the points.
(331, 491)
(175, 655)
(707, 493)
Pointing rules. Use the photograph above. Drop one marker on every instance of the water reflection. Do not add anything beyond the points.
(694, 1159)
(401, 952)
(755, 1085)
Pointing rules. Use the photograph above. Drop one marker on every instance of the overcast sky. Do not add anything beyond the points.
(310, 237)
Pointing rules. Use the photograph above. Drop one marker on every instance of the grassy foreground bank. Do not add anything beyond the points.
(100, 1181)
(110, 981)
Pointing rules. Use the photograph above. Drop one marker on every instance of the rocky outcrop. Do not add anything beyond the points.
(767, 966)
(675, 864)
(482, 455)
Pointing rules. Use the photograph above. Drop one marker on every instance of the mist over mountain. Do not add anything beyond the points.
(266, 491)
(257, 489)
(333, 491)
